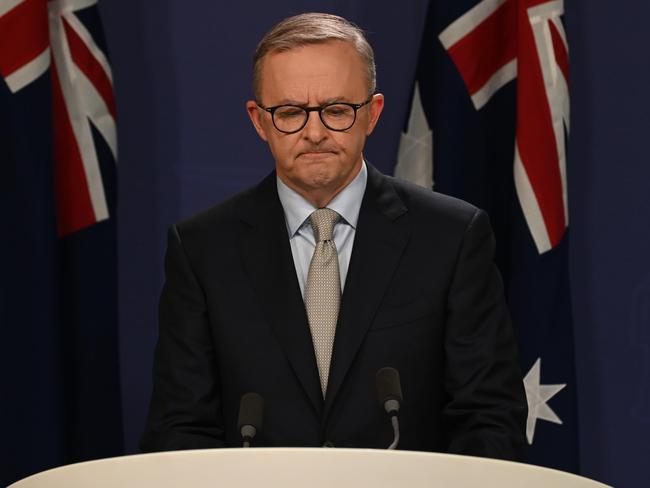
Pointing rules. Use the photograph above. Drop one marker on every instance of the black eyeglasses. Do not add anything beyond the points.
(338, 116)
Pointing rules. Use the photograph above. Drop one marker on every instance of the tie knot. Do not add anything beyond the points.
(322, 221)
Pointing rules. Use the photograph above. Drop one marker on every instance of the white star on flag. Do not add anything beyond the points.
(415, 154)
(537, 395)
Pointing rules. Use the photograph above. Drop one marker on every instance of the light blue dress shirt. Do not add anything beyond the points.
(301, 235)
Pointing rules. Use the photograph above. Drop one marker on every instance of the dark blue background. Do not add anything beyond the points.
(182, 75)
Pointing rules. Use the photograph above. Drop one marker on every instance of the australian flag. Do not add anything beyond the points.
(491, 105)
(58, 303)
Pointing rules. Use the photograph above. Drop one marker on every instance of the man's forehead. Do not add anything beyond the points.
(329, 72)
(330, 51)
(313, 94)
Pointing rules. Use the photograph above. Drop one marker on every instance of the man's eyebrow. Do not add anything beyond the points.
(300, 103)
(289, 101)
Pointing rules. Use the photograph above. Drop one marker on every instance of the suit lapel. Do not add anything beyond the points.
(269, 263)
(379, 242)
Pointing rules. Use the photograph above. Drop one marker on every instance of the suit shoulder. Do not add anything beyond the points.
(214, 230)
(422, 202)
(222, 213)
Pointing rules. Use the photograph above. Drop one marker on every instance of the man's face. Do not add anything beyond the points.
(316, 162)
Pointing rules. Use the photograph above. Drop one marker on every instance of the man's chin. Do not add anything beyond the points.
(318, 170)
(318, 180)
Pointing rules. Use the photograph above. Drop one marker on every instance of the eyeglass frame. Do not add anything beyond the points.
(319, 109)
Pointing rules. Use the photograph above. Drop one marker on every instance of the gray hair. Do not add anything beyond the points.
(313, 28)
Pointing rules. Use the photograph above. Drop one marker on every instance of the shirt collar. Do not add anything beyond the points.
(346, 203)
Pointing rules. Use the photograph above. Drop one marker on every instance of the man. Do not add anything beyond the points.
(302, 287)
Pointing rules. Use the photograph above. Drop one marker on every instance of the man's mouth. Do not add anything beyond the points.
(317, 153)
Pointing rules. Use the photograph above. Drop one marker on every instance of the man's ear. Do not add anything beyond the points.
(255, 114)
(375, 109)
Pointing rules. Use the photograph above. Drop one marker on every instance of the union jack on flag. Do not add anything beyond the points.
(36, 35)
(495, 42)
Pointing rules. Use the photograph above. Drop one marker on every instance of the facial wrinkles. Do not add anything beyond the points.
(325, 143)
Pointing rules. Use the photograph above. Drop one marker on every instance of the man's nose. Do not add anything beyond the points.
(314, 129)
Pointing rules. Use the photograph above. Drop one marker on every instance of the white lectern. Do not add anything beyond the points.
(317, 468)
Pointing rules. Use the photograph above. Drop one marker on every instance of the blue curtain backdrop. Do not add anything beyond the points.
(182, 75)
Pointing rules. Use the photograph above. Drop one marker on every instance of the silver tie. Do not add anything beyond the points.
(323, 290)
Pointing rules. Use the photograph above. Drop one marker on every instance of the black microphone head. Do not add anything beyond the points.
(251, 410)
(388, 385)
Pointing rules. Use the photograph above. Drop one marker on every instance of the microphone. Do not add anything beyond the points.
(389, 394)
(251, 409)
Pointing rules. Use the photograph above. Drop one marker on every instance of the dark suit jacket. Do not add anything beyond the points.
(422, 295)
